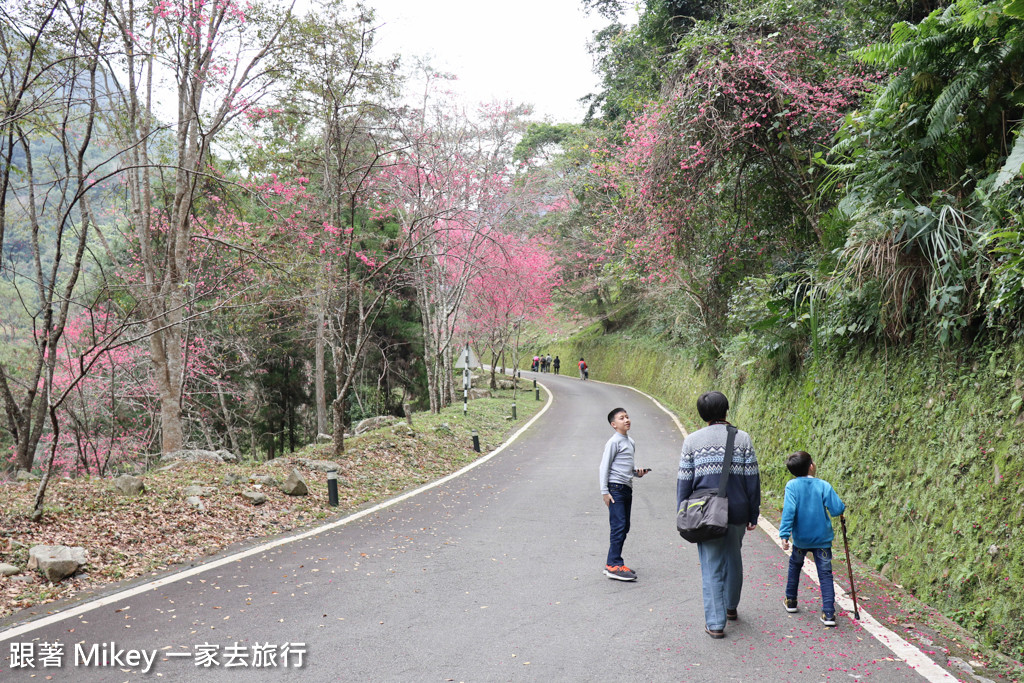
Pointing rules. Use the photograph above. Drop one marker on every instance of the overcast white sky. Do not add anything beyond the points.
(529, 51)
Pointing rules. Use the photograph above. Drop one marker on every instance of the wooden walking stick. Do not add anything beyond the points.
(853, 589)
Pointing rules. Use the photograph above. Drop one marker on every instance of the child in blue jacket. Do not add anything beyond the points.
(806, 511)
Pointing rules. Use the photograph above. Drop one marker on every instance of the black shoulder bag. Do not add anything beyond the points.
(705, 514)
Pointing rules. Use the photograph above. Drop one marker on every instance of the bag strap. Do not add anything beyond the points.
(730, 443)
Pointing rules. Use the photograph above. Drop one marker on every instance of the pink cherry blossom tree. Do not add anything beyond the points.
(512, 287)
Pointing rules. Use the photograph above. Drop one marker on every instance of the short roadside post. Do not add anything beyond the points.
(536, 394)
(476, 441)
(513, 411)
(332, 489)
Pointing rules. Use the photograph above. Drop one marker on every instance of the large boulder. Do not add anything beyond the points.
(129, 485)
(479, 393)
(25, 475)
(200, 455)
(56, 562)
(295, 485)
(372, 423)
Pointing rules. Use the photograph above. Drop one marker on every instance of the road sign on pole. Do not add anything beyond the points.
(467, 359)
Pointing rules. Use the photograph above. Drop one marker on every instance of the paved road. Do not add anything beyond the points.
(492, 576)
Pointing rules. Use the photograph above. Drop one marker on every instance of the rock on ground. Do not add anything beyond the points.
(200, 455)
(402, 429)
(129, 485)
(196, 502)
(295, 485)
(318, 465)
(255, 497)
(8, 569)
(372, 423)
(56, 562)
(197, 490)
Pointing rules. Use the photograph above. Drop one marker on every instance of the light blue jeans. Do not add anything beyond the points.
(721, 571)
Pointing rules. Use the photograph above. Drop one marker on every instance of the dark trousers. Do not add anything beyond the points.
(618, 521)
(823, 563)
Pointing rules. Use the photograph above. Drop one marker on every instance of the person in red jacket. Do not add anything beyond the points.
(584, 372)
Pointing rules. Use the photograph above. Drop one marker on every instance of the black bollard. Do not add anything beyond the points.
(534, 382)
(537, 394)
(513, 411)
(332, 489)
(476, 441)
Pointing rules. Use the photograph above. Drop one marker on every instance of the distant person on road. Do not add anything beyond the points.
(616, 478)
(700, 466)
(536, 363)
(547, 363)
(556, 364)
(584, 371)
(806, 520)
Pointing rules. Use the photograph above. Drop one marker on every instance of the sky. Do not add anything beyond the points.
(529, 51)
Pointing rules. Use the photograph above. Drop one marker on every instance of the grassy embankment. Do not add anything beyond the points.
(129, 537)
(926, 449)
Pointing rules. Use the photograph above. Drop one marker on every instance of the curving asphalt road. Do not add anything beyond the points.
(492, 576)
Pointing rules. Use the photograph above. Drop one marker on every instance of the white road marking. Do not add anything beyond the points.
(90, 605)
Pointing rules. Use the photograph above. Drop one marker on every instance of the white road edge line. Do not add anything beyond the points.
(911, 654)
(237, 557)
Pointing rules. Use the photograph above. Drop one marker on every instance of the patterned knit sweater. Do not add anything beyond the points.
(700, 467)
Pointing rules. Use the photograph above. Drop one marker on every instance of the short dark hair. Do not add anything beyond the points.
(712, 405)
(799, 463)
(615, 411)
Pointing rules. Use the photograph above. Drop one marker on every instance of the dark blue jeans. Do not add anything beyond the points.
(823, 562)
(618, 520)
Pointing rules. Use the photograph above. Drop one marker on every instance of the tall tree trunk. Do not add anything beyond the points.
(338, 405)
(165, 354)
(319, 378)
(228, 427)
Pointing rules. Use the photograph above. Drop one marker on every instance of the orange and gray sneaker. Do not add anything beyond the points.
(618, 573)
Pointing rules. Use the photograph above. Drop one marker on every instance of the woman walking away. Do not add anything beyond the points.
(700, 467)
